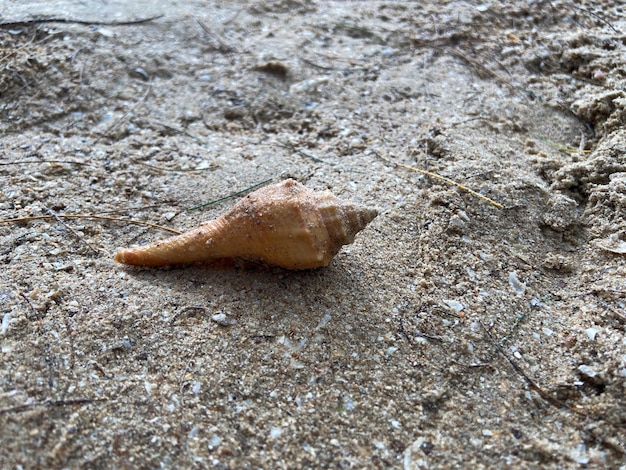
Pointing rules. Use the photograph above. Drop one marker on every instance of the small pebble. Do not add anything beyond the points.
(214, 441)
(456, 224)
(591, 333)
(476, 442)
(324, 321)
(275, 432)
(561, 212)
(536, 303)
(138, 72)
(222, 320)
(579, 455)
(390, 351)
(379, 445)
(515, 283)
(309, 85)
(6, 320)
(454, 305)
(106, 32)
(587, 370)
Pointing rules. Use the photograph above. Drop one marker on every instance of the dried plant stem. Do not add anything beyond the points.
(531, 383)
(13, 24)
(596, 16)
(15, 51)
(484, 69)
(89, 216)
(224, 198)
(442, 178)
(72, 231)
(563, 148)
(52, 403)
(125, 115)
(293, 148)
(28, 162)
(178, 130)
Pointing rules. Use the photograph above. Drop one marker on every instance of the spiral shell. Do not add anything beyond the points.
(284, 225)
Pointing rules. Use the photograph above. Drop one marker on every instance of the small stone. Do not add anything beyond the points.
(463, 215)
(515, 283)
(214, 441)
(579, 455)
(275, 432)
(558, 263)
(454, 305)
(6, 321)
(561, 212)
(456, 224)
(139, 72)
(106, 32)
(222, 320)
(309, 85)
(390, 351)
(587, 371)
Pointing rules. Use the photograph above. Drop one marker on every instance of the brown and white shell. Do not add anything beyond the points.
(285, 225)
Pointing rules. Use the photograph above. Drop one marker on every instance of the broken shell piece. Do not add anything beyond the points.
(612, 244)
(285, 225)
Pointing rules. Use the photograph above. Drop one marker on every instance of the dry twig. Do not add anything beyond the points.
(484, 69)
(293, 148)
(224, 198)
(598, 17)
(173, 128)
(89, 216)
(13, 24)
(441, 178)
(531, 383)
(52, 403)
(26, 162)
(72, 231)
(125, 115)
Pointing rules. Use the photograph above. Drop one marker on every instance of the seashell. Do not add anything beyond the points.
(285, 225)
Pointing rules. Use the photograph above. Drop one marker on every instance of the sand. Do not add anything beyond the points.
(460, 330)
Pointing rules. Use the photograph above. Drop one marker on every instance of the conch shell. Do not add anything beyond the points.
(284, 225)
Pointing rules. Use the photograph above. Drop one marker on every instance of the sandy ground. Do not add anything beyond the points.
(452, 333)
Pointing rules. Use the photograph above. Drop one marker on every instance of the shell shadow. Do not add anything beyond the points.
(270, 302)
